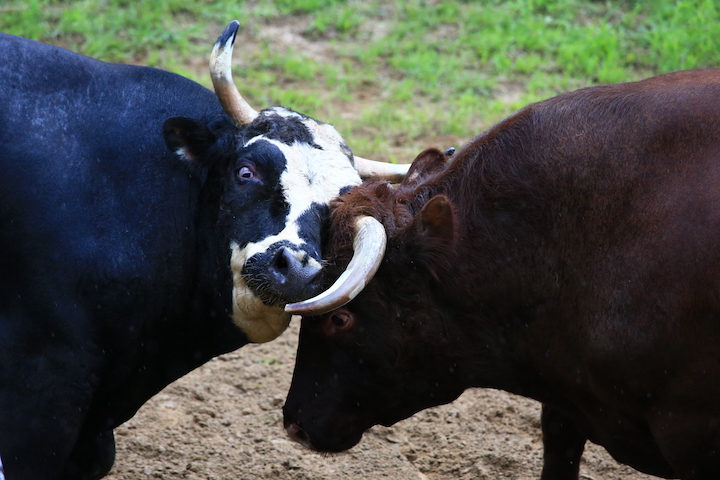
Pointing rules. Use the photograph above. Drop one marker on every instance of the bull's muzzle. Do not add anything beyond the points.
(298, 435)
(292, 277)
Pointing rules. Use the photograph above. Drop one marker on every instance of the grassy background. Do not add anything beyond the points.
(393, 76)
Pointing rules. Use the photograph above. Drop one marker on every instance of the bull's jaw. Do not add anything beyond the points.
(321, 427)
(262, 316)
(332, 443)
(260, 322)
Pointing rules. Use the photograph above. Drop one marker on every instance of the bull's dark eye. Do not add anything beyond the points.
(245, 173)
(338, 321)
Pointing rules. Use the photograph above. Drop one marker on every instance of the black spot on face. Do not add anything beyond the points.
(287, 130)
(254, 206)
(313, 227)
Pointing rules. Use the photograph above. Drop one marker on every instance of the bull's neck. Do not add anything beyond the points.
(503, 277)
(212, 298)
(506, 257)
(195, 323)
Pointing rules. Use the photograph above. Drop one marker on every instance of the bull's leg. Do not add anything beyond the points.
(563, 446)
(34, 443)
(46, 386)
(92, 458)
(705, 466)
(688, 436)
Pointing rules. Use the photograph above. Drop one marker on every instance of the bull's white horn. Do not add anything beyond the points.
(369, 249)
(393, 172)
(239, 111)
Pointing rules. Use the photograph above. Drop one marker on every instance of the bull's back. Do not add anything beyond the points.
(90, 197)
(638, 165)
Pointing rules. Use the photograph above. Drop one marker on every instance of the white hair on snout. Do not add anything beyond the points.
(260, 322)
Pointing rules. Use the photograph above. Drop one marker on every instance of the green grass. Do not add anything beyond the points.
(395, 77)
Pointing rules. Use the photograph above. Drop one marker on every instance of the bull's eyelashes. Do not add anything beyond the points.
(337, 321)
(247, 173)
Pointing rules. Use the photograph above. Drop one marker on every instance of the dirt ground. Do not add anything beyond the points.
(224, 421)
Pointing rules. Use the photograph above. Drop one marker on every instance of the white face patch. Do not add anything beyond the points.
(261, 323)
(312, 176)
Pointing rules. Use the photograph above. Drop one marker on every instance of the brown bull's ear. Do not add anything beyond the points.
(187, 138)
(438, 220)
(430, 240)
(429, 161)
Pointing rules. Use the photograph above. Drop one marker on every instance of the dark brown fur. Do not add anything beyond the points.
(571, 254)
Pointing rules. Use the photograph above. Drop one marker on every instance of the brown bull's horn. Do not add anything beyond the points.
(393, 172)
(239, 111)
(369, 245)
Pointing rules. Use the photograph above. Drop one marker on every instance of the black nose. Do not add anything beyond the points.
(292, 278)
(298, 434)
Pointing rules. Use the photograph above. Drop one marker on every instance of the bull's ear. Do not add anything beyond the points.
(429, 161)
(438, 220)
(432, 236)
(188, 138)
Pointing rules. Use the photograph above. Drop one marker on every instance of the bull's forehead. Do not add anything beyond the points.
(288, 127)
(317, 168)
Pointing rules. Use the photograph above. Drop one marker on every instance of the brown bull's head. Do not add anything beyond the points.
(378, 358)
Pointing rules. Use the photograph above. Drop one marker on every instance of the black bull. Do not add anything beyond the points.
(571, 254)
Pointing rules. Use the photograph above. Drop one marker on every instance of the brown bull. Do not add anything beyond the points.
(571, 254)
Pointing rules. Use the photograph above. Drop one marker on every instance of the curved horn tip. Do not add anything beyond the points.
(228, 35)
(239, 111)
(300, 309)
